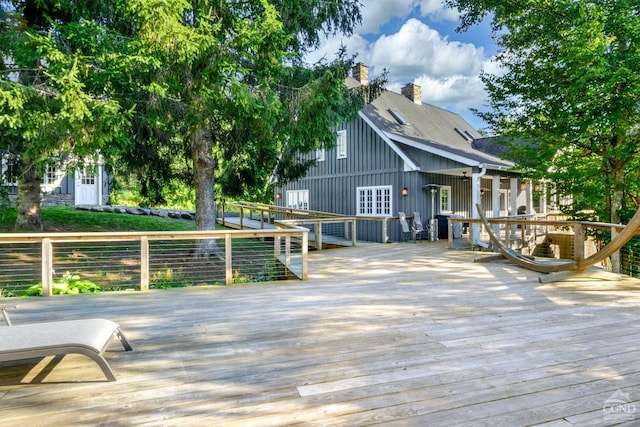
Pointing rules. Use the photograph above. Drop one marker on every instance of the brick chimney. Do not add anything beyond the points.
(360, 72)
(413, 92)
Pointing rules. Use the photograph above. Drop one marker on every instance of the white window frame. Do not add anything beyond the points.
(52, 177)
(8, 165)
(298, 199)
(444, 200)
(341, 144)
(375, 201)
(320, 155)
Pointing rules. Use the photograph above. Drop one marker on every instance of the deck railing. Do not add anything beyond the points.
(143, 260)
(552, 238)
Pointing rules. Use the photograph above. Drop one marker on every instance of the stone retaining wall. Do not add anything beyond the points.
(164, 213)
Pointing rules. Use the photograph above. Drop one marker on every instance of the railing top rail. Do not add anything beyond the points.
(323, 220)
(151, 235)
(556, 223)
(282, 209)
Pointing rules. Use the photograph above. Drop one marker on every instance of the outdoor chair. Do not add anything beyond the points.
(89, 337)
(418, 227)
(404, 225)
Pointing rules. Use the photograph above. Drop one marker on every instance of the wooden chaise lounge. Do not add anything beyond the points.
(89, 337)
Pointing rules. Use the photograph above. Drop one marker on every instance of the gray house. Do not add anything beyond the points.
(401, 155)
(60, 187)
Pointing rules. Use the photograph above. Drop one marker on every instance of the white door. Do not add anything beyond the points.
(86, 188)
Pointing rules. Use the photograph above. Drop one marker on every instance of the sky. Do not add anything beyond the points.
(416, 41)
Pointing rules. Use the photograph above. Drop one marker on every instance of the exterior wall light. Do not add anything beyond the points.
(405, 191)
(278, 196)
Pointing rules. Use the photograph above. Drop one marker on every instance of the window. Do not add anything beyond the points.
(320, 155)
(374, 201)
(298, 199)
(87, 178)
(52, 176)
(341, 144)
(445, 199)
(9, 170)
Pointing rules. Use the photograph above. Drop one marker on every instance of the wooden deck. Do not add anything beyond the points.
(397, 334)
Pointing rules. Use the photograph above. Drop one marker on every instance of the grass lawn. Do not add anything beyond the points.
(66, 219)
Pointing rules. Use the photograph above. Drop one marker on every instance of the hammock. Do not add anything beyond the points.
(530, 263)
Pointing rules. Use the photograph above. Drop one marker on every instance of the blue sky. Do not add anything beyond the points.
(415, 40)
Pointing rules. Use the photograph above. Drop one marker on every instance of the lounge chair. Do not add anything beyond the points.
(89, 337)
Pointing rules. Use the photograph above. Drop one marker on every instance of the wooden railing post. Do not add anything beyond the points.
(318, 229)
(144, 263)
(353, 232)
(305, 255)
(47, 267)
(287, 250)
(384, 230)
(228, 261)
(578, 241)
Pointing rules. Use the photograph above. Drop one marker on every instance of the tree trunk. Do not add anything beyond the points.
(202, 152)
(28, 203)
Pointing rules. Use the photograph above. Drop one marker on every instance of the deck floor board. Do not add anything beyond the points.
(396, 334)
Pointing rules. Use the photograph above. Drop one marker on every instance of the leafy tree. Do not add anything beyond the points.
(232, 101)
(570, 87)
(54, 101)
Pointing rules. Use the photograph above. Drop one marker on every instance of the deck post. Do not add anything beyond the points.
(578, 242)
(228, 264)
(47, 267)
(144, 263)
(385, 237)
(305, 255)
(353, 232)
(287, 251)
(318, 229)
(450, 232)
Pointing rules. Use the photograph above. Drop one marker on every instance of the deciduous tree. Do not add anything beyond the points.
(569, 85)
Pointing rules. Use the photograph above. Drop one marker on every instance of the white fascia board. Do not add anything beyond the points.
(409, 165)
(433, 150)
(444, 153)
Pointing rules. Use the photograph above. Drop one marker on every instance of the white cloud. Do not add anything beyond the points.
(417, 49)
(376, 13)
(436, 10)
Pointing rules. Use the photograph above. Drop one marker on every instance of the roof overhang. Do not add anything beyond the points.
(429, 147)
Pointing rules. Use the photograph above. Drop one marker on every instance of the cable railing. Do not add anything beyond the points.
(151, 260)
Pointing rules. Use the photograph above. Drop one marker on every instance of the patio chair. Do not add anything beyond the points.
(418, 227)
(404, 225)
(89, 337)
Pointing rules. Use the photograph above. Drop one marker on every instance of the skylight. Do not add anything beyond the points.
(464, 134)
(397, 116)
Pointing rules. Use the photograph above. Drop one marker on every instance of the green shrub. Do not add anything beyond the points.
(68, 284)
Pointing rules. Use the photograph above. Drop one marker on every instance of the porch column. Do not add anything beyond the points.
(495, 201)
(100, 172)
(476, 179)
(513, 202)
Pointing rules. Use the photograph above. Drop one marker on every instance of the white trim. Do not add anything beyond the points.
(341, 144)
(409, 165)
(442, 153)
(447, 189)
(375, 202)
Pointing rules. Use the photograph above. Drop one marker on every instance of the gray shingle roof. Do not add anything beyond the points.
(428, 127)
